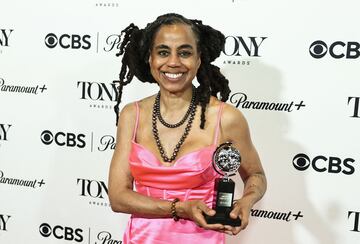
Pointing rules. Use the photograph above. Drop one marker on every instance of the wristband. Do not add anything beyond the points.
(173, 209)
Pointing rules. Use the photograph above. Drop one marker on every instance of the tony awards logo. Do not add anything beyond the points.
(226, 161)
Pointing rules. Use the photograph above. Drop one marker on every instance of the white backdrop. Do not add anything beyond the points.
(57, 125)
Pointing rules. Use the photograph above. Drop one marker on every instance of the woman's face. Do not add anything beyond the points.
(174, 58)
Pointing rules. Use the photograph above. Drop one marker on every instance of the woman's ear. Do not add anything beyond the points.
(148, 61)
(199, 61)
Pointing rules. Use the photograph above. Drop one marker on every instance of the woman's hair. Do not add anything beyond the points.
(136, 47)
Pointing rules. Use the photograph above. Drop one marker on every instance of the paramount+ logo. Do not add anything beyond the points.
(320, 163)
(68, 41)
(337, 49)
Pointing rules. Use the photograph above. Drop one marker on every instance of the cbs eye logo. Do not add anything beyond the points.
(45, 230)
(338, 49)
(47, 137)
(51, 40)
(318, 49)
(301, 162)
(67, 41)
(321, 163)
(63, 139)
(60, 232)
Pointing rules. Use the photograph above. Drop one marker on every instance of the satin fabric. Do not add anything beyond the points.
(192, 177)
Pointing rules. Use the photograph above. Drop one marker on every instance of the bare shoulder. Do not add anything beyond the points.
(147, 103)
(232, 115)
(127, 112)
(234, 124)
(127, 115)
(213, 106)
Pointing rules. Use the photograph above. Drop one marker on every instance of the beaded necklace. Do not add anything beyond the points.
(156, 115)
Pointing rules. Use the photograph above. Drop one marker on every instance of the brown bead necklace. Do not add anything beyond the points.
(168, 125)
(155, 115)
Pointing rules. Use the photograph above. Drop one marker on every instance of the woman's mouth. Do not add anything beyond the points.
(173, 76)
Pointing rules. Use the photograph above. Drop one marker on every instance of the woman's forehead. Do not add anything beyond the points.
(177, 34)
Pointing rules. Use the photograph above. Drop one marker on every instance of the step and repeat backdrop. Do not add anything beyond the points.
(294, 72)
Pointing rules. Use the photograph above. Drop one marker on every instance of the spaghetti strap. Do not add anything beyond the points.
(218, 122)
(137, 120)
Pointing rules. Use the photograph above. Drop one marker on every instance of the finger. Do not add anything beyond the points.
(206, 210)
(202, 222)
(244, 223)
(228, 227)
(236, 230)
(244, 216)
(225, 232)
(235, 212)
(218, 227)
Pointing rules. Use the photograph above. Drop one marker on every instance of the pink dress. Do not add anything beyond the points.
(192, 177)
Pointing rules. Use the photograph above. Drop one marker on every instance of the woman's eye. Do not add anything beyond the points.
(184, 54)
(163, 53)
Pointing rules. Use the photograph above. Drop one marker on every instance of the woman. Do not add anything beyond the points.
(165, 142)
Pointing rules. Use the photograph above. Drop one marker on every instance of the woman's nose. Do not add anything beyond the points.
(173, 60)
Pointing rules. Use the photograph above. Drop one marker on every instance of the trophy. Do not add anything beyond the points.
(226, 161)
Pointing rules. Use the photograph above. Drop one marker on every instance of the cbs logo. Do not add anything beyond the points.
(60, 232)
(68, 41)
(338, 49)
(324, 164)
(63, 139)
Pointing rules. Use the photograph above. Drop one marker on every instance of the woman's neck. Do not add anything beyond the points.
(172, 103)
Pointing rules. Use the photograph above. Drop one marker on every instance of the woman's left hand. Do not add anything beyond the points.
(241, 209)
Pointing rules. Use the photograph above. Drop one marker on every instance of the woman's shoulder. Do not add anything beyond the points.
(231, 116)
(228, 109)
(130, 108)
(127, 115)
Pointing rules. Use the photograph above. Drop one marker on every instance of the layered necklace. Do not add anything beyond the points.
(190, 113)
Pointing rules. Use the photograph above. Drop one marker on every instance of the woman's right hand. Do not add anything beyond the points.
(195, 211)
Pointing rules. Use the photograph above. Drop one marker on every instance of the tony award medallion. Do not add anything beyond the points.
(226, 161)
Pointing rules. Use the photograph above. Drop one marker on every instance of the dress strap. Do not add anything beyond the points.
(137, 119)
(218, 122)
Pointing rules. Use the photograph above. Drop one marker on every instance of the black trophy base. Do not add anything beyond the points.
(222, 219)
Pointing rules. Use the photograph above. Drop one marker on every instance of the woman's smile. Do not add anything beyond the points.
(174, 58)
(173, 76)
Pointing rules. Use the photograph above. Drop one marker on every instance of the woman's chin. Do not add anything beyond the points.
(173, 87)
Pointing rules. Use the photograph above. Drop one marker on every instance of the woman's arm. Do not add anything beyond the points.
(236, 130)
(121, 194)
(124, 199)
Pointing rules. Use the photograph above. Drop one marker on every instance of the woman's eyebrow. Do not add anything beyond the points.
(185, 46)
(163, 46)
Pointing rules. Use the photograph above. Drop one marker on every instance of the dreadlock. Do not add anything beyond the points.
(137, 44)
